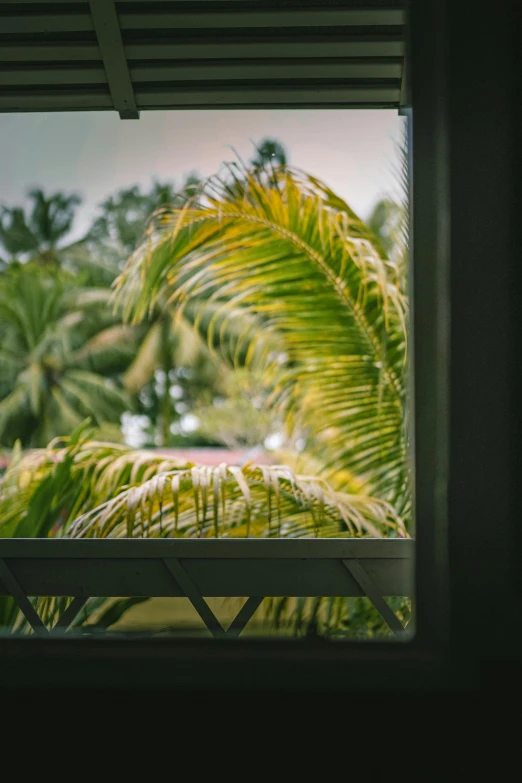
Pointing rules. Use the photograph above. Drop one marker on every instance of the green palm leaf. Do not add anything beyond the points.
(13, 405)
(295, 256)
(55, 347)
(103, 489)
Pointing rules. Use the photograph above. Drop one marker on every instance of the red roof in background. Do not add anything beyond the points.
(214, 456)
(204, 456)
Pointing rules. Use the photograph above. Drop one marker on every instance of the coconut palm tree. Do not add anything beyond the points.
(299, 260)
(296, 256)
(385, 221)
(123, 217)
(269, 152)
(292, 257)
(38, 233)
(55, 353)
(165, 345)
(389, 218)
(170, 341)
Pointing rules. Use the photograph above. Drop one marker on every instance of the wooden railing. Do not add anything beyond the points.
(199, 569)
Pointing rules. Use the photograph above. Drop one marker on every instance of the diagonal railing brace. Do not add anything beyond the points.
(20, 598)
(202, 608)
(369, 589)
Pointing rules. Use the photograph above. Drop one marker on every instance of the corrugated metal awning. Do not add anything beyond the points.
(133, 55)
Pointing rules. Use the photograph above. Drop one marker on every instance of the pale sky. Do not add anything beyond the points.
(96, 153)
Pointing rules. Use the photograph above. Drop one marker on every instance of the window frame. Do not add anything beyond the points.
(371, 665)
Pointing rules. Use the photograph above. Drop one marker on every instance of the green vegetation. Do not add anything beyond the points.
(61, 351)
(38, 233)
(258, 302)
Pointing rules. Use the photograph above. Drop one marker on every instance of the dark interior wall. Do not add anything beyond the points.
(466, 270)
(485, 513)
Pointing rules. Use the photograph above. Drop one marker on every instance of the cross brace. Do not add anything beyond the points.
(192, 592)
(370, 590)
(202, 608)
(28, 610)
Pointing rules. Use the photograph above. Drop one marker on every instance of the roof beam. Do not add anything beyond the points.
(49, 100)
(214, 70)
(316, 46)
(108, 33)
(46, 23)
(49, 76)
(205, 19)
(15, 74)
(252, 95)
(44, 52)
(274, 17)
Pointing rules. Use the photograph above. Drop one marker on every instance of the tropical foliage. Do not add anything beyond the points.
(262, 303)
(294, 257)
(39, 232)
(77, 276)
(54, 358)
(81, 487)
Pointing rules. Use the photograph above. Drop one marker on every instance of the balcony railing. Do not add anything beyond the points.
(199, 569)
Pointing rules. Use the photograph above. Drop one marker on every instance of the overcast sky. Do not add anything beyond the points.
(96, 153)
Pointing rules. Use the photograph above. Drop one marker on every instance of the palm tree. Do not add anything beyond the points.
(55, 351)
(296, 259)
(385, 221)
(123, 217)
(295, 256)
(292, 257)
(165, 344)
(170, 341)
(39, 233)
(269, 152)
(389, 217)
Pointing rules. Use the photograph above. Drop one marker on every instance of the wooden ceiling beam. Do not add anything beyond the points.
(107, 29)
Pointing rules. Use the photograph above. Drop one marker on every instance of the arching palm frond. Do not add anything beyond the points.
(81, 488)
(229, 501)
(78, 487)
(295, 256)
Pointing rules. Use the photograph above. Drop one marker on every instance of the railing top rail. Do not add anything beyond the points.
(289, 548)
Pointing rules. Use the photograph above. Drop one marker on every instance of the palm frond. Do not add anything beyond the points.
(12, 406)
(96, 396)
(108, 349)
(231, 501)
(101, 489)
(146, 361)
(295, 257)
